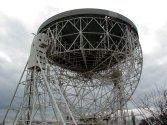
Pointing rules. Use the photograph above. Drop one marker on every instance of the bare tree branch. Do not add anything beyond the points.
(155, 104)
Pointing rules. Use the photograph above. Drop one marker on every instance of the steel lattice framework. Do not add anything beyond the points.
(83, 65)
(102, 58)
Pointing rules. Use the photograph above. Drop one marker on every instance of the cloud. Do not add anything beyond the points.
(15, 42)
(5, 57)
(155, 63)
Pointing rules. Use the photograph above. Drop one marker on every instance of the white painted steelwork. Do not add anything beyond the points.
(82, 69)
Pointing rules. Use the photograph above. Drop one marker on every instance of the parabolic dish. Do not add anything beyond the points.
(98, 59)
(89, 40)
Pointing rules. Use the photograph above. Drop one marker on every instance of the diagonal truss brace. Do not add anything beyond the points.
(54, 102)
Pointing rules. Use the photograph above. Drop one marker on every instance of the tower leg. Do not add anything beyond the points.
(120, 116)
(10, 105)
(41, 92)
(54, 102)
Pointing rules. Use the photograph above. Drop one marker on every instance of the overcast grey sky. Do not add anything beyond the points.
(20, 18)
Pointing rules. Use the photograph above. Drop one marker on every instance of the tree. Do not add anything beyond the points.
(155, 105)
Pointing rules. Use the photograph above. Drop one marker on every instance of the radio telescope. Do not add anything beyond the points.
(84, 66)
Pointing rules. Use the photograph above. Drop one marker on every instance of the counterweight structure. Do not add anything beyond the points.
(83, 67)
